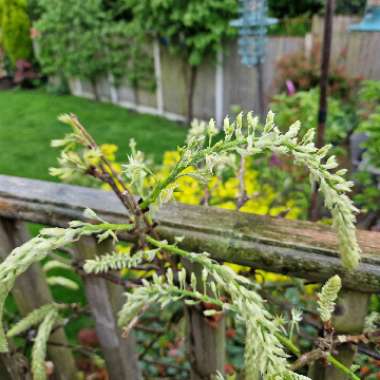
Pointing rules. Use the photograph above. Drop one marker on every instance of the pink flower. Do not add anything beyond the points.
(34, 33)
(290, 87)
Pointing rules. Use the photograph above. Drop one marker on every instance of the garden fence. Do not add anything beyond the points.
(225, 82)
(296, 248)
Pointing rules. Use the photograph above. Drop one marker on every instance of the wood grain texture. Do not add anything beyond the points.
(205, 342)
(301, 249)
(105, 301)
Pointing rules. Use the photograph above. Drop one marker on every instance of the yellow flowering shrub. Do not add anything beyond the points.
(223, 193)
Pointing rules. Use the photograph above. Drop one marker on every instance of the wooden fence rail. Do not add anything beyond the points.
(297, 248)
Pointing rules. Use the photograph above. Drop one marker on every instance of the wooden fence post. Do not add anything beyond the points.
(205, 342)
(14, 366)
(31, 291)
(5, 373)
(349, 316)
(105, 300)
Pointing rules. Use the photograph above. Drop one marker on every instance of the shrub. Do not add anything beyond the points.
(291, 9)
(304, 72)
(15, 28)
(368, 180)
(303, 106)
(81, 39)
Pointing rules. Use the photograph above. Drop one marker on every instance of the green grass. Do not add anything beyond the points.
(28, 122)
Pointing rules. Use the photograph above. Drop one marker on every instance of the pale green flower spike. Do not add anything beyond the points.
(62, 281)
(245, 137)
(328, 296)
(371, 322)
(118, 261)
(40, 345)
(32, 319)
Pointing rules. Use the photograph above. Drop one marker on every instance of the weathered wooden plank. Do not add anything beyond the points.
(302, 249)
(14, 366)
(205, 342)
(31, 291)
(105, 300)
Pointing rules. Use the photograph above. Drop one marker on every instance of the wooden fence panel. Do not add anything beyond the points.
(205, 341)
(31, 291)
(104, 300)
(240, 82)
(357, 52)
(174, 83)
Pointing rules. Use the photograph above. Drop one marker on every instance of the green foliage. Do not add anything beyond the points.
(15, 30)
(369, 97)
(296, 26)
(303, 106)
(290, 9)
(193, 29)
(81, 39)
(304, 72)
(352, 7)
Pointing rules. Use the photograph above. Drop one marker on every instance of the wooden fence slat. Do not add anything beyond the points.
(104, 300)
(349, 317)
(31, 291)
(205, 343)
(14, 366)
(4, 370)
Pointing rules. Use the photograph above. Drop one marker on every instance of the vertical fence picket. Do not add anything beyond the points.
(5, 373)
(104, 300)
(31, 291)
(14, 366)
(205, 342)
(349, 316)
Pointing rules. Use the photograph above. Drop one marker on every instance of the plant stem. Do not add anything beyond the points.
(339, 365)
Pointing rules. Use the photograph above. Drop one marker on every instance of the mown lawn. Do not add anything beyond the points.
(28, 122)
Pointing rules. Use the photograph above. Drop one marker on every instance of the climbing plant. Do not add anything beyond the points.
(227, 292)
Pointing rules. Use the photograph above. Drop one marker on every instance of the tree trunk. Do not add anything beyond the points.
(95, 89)
(190, 92)
(314, 211)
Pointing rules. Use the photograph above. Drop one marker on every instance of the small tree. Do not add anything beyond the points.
(193, 29)
(81, 39)
(14, 30)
